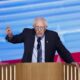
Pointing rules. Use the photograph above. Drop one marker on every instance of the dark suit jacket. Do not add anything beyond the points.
(52, 43)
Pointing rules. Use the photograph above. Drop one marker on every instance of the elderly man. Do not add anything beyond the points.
(40, 44)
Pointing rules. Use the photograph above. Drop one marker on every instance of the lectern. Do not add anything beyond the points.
(39, 71)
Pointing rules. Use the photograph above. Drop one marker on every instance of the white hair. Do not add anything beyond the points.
(40, 19)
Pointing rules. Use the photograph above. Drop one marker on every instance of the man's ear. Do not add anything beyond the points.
(45, 27)
(34, 25)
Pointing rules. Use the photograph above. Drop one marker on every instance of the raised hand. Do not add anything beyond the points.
(8, 31)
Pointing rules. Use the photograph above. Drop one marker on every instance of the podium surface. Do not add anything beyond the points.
(39, 71)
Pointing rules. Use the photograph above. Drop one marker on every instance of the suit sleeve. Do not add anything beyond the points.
(62, 51)
(16, 38)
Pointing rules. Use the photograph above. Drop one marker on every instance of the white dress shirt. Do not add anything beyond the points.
(34, 54)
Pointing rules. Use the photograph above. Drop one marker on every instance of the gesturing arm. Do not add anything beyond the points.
(14, 38)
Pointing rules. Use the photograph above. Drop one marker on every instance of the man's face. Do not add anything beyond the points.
(40, 28)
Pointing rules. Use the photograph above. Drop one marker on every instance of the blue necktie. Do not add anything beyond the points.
(39, 50)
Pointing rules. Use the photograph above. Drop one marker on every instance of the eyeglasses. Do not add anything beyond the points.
(40, 28)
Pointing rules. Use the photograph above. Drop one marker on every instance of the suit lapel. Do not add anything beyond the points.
(32, 39)
(46, 45)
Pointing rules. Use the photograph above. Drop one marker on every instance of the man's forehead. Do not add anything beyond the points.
(39, 22)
